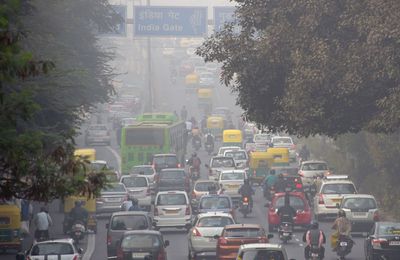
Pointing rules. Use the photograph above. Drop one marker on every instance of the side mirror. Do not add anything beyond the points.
(107, 225)
(270, 236)
(80, 250)
(216, 237)
(166, 243)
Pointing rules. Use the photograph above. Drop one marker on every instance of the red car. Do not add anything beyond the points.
(297, 201)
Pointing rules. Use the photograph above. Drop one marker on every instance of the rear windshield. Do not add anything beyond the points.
(143, 170)
(238, 155)
(282, 140)
(261, 138)
(314, 167)
(244, 232)
(171, 199)
(338, 188)
(139, 241)
(295, 202)
(215, 203)
(116, 187)
(170, 160)
(204, 186)
(52, 249)
(223, 162)
(232, 176)
(263, 255)
(288, 171)
(214, 221)
(359, 203)
(129, 222)
(131, 182)
(172, 175)
(389, 229)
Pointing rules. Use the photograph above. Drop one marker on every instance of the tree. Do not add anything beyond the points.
(313, 66)
(52, 71)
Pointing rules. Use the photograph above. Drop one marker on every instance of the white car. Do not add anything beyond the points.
(261, 251)
(231, 181)
(240, 157)
(222, 149)
(138, 187)
(285, 142)
(219, 164)
(262, 138)
(205, 227)
(146, 170)
(64, 249)
(309, 170)
(172, 209)
(330, 195)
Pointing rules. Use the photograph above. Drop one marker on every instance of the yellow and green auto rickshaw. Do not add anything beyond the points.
(259, 165)
(10, 227)
(86, 153)
(89, 203)
(215, 124)
(192, 82)
(280, 156)
(232, 137)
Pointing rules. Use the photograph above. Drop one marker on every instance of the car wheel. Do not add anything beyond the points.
(191, 255)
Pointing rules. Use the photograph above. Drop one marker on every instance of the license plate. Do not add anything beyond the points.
(343, 243)
(139, 255)
(245, 203)
(394, 243)
(233, 186)
(314, 255)
(286, 234)
(113, 199)
(171, 211)
(78, 233)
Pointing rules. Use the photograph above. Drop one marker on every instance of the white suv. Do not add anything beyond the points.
(172, 209)
(330, 195)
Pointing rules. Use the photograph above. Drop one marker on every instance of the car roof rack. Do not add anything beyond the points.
(337, 177)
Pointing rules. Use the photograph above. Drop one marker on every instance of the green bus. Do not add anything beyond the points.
(141, 141)
(167, 118)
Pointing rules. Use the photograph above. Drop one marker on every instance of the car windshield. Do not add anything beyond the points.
(215, 221)
(263, 255)
(296, 202)
(129, 222)
(147, 170)
(282, 140)
(286, 171)
(115, 187)
(170, 160)
(172, 175)
(359, 203)
(389, 229)
(215, 203)
(131, 182)
(237, 155)
(171, 199)
(338, 188)
(52, 249)
(222, 162)
(139, 241)
(261, 138)
(98, 166)
(244, 232)
(225, 176)
(314, 167)
(204, 186)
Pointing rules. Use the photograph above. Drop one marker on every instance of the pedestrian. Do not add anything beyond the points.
(26, 216)
(42, 222)
(184, 113)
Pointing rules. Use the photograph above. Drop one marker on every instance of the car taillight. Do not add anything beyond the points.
(196, 233)
(155, 212)
(161, 255)
(299, 186)
(109, 241)
(187, 212)
(263, 240)
(245, 199)
(120, 254)
(222, 241)
(178, 165)
(376, 243)
(321, 199)
(76, 257)
(376, 216)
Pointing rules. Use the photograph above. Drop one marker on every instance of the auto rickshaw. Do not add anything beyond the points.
(280, 156)
(192, 82)
(88, 203)
(204, 96)
(259, 166)
(215, 124)
(87, 153)
(232, 137)
(10, 227)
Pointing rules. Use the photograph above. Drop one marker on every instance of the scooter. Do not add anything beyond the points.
(209, 148)
(245, 208)
(285, 231)
(194, 173)
(344, 245)
(78, 231)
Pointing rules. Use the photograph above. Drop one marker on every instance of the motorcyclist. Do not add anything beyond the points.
(342, 227)
(195, 162)
(280, 185)
(210, 140)
(286, 213)
(314, 236)
(304, 153)
(247, 191)
(270, 181)
(78, 213)
(135, 205)
(196, 136)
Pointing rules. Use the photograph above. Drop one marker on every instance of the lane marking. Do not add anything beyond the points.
(116, 155)
(301, 245)
(297, 239)
(90, 247)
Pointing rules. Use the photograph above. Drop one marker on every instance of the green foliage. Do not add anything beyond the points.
(314, 66)
(51, 70)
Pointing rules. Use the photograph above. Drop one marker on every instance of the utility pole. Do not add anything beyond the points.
(149, 81)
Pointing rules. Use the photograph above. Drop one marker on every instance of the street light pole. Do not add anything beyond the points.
(149, 81)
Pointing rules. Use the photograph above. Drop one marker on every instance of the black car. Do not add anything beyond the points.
(163, 161)
(172, 179)
(383, 241)
(142, 244)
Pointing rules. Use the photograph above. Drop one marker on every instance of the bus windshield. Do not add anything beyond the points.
(144, 136)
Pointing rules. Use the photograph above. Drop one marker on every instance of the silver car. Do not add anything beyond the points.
(231, 181)
(219, 164)
(205, 227)
(172, 209)
(309, 170)
(240, 157)
(111, 198)
(138, 187)
(97, 134)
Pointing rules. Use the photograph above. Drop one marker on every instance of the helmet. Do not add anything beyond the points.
(314, 225)
(341, 213)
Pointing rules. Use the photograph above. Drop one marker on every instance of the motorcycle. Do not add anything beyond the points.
(269, 193)
(194, 173)
(78, 231)
(209, 148)
(344, 245)
(315, 253)
(245, 208)
(42, 235)
(285, 231)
